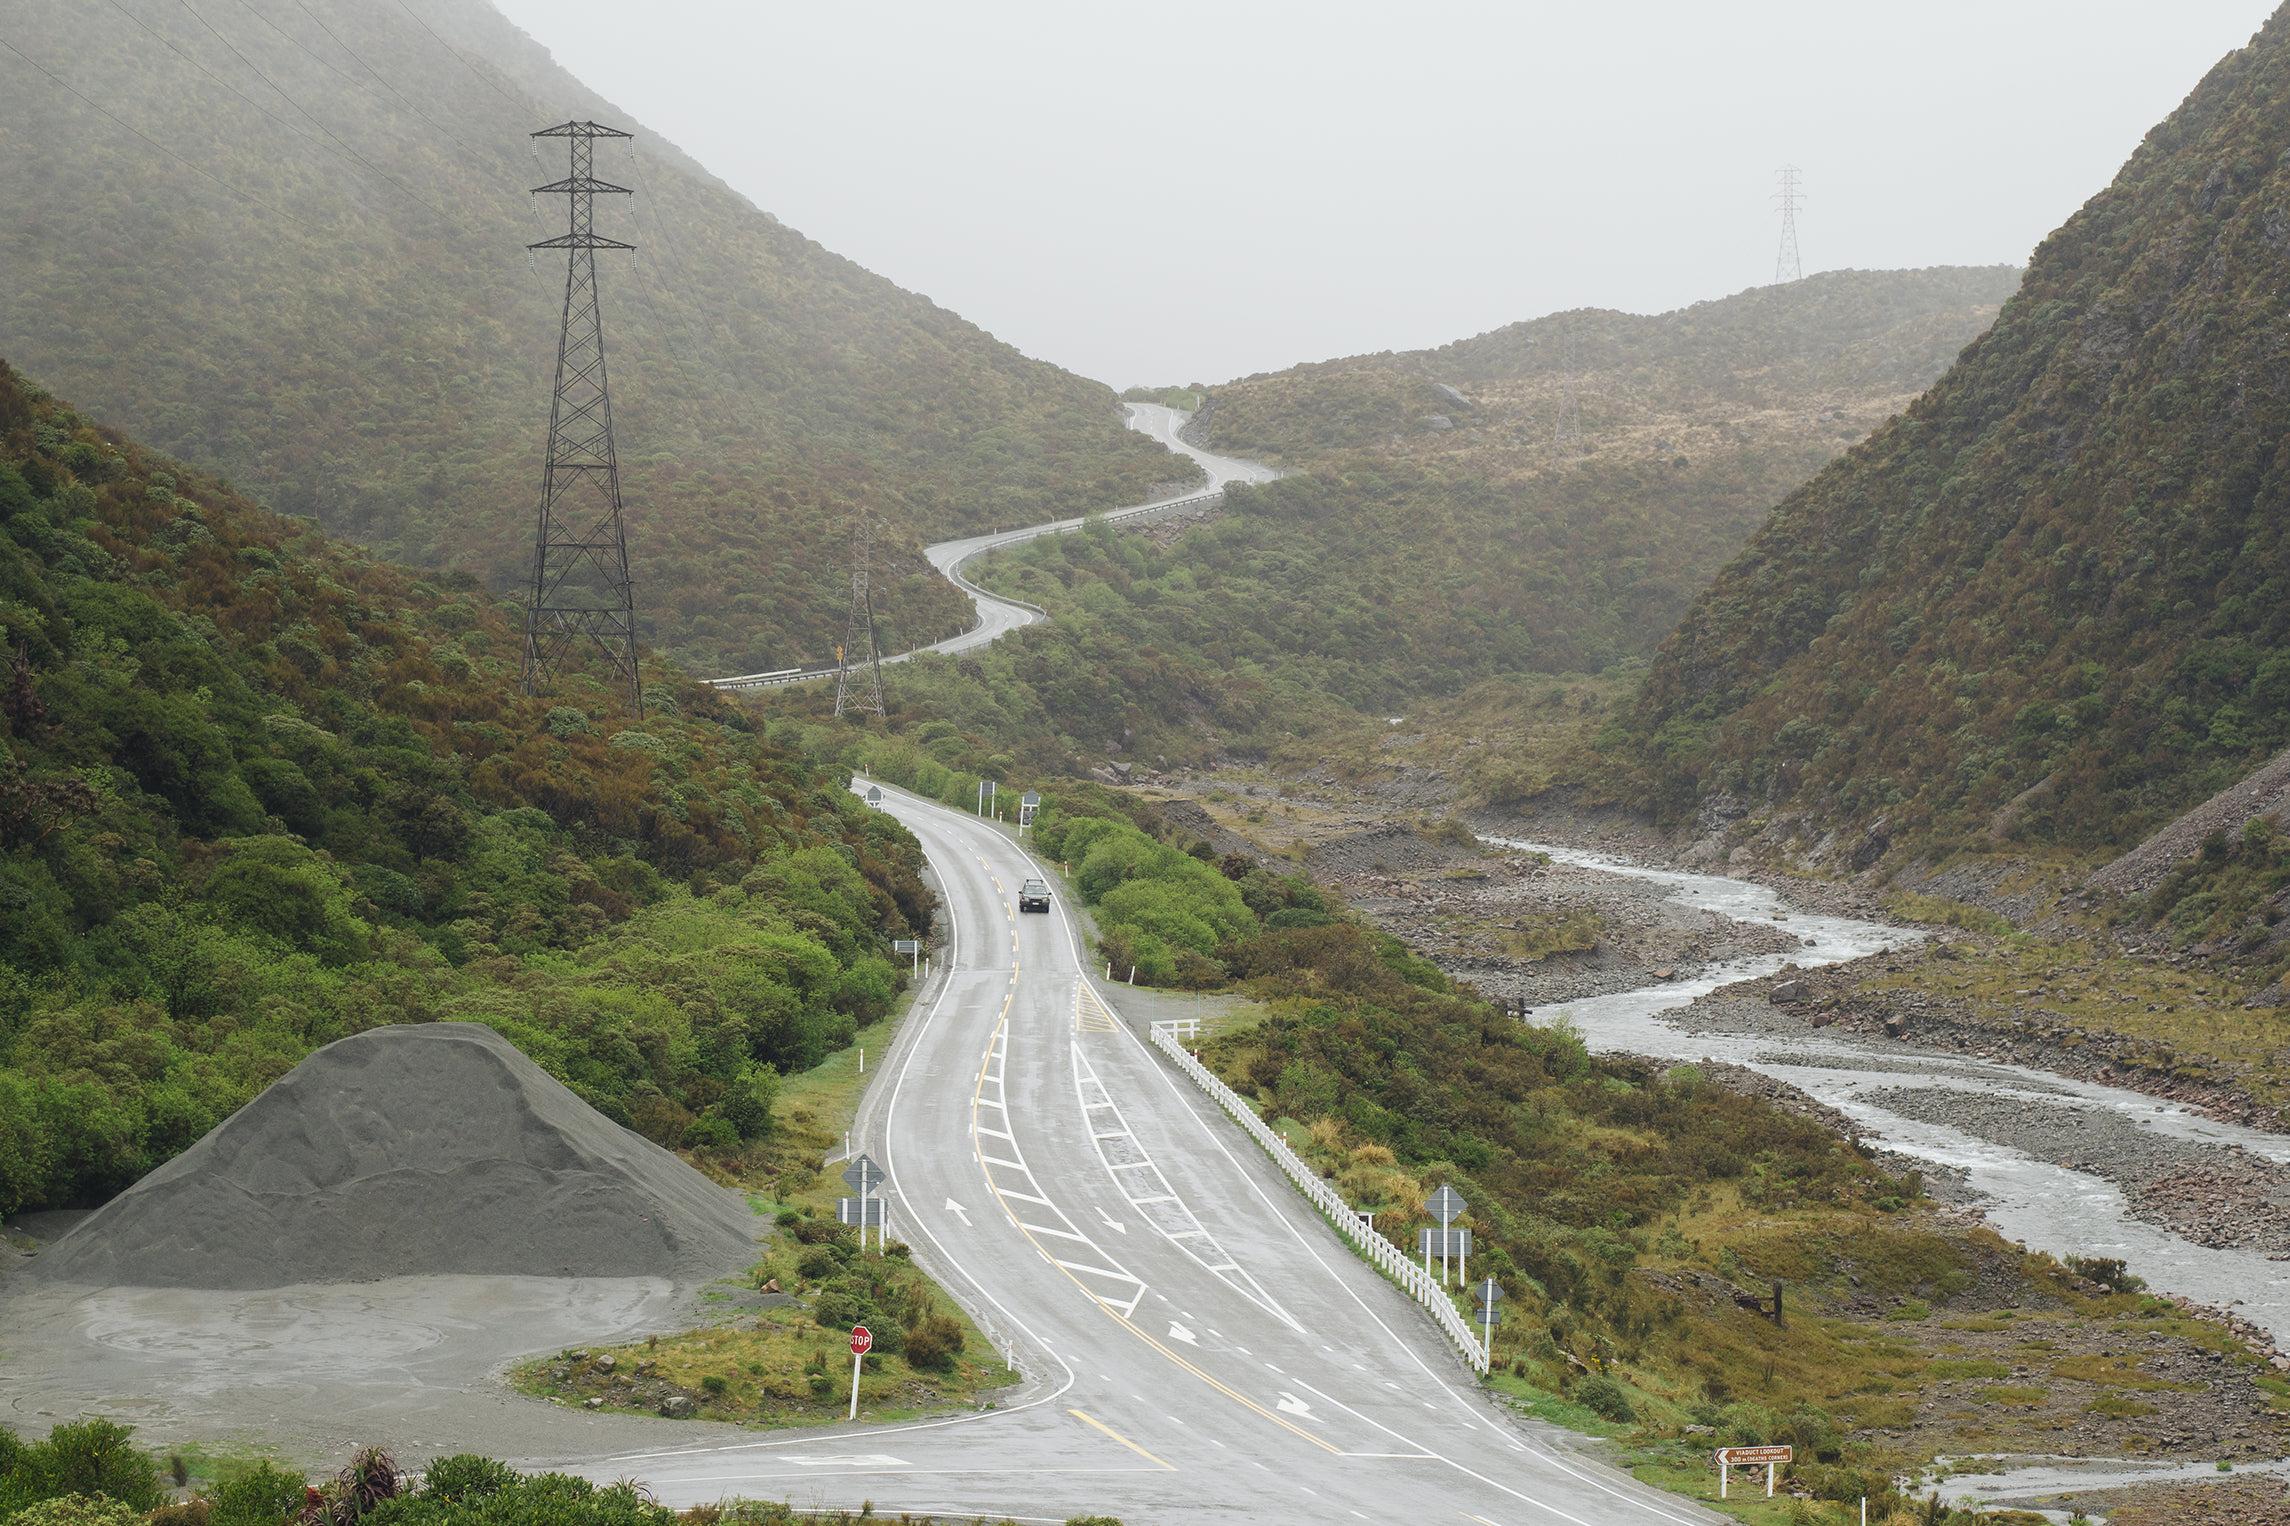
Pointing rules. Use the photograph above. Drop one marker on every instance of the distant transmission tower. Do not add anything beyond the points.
(1786, 266)
(858, 665)
(1566, 427)
(581, 588)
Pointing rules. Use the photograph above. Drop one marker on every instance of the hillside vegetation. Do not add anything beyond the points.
(1444, 515)
(2045, 607)
(1385, 574)
(285, 243)
(259, 791)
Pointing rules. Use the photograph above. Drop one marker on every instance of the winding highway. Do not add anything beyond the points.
(1196, 1343)
(997, 617)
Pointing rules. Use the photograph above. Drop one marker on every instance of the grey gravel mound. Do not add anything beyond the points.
(406, 1151)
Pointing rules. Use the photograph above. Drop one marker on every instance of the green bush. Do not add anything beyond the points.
(465, 1476)
(78, 1510)
(88, 1457)
(264, 1496)
(1601, 1395)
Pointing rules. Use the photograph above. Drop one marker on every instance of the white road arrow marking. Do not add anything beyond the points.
(1178, 1332)
(1110, 1221)
(959, 1212)
(1295, 1406)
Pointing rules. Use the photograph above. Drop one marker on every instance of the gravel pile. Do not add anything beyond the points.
(404, 1151)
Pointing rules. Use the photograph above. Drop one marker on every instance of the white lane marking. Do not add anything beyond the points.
(1178, 1332)
(1184, 1105)
(847, 1460)
(1110, 1221)
(1152, 1196)
(1063, 1234)
(991, 1071)
(1295, 1406)
(959, 1212)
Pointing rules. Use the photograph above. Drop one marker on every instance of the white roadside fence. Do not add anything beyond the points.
(1347, 1220)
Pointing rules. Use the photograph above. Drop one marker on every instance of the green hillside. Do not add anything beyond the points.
(2046, 606)
(259, 791)
(1449, 532)
(290, 249)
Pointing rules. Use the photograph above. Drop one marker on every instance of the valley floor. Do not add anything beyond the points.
(1942, 1043)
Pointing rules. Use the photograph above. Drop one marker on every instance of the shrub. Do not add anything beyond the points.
(715, 1384)
(465, 1476)
(263, 1497)
(931, 1345)
(89, 1458)
(78, 1510)
(1603, 1396)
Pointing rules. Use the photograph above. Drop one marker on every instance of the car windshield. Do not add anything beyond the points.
(1035, 887)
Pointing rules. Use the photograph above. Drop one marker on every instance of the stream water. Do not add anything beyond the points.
(2047, 1206)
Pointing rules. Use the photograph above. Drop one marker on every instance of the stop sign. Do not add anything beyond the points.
(861, 1339)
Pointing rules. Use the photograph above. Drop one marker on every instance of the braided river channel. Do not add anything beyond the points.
(2046, 1206)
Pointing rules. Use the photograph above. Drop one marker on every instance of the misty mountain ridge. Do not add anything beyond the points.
(2045, 609)
(325, 295)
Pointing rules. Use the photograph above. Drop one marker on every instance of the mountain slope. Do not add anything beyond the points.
(259, 791)
(2046, 605)
(1774, 367)
(1387, 570)
(284, 239)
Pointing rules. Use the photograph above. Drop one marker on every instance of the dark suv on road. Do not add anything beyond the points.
(1034, 895)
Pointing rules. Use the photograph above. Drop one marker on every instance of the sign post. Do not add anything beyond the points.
(875, 796)
(912, 946)
(1447, 1206)
(1729, 1458)
(1489, 1291)
(1028, 804)
(861, 1339)
(864, 1176)
(985, 794)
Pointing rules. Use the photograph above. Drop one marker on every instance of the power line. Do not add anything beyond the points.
(319, 22)
(1786, 266)
(488, 80)
(154, 142)
(321, 126)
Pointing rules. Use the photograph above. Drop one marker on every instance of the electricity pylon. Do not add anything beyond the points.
(858, 664)
(1566, 426)
(581, 588)
(1786, 266)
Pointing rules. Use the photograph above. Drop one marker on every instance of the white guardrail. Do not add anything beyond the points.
(1331, 1204)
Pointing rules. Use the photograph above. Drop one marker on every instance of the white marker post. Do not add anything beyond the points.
(861, 1339)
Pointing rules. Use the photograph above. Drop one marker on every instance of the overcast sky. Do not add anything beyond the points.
(1192, 193)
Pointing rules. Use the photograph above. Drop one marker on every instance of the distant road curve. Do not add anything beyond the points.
(997, 617)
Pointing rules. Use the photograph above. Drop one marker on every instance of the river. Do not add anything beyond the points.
(2046, 1206)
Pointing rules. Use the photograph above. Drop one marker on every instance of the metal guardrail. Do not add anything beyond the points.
(1387, 1257)
(954, 575)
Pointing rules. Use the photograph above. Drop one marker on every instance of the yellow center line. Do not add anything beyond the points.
(1117, 1436)
(1229, 1392)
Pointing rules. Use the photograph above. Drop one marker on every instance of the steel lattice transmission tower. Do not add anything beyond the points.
(1786, 266)
(581, 588)
(858, 662)
(1566, 425)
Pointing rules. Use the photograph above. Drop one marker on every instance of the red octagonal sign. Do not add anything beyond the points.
(861, 1340)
